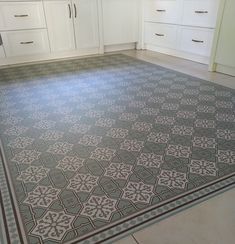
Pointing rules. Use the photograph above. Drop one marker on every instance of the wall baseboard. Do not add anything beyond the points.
(225, 69)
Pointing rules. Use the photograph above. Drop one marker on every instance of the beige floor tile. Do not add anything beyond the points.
(127, 240)
(211, 222)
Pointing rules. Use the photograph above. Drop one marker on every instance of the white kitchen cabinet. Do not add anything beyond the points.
(86, 23)
(72, 24)
(120, 21)
(2, 54)
(59, 17)
(164, 11)
(21, 15)
(201, 13)
(27, 42)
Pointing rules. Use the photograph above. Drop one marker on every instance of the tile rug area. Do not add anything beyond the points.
(94, 147)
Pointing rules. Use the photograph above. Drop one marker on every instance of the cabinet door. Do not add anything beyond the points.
(86, 23)
(2, 54)
(60, 25)
(120, 21)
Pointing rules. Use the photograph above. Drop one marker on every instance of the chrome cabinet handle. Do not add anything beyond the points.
(159, 34)
(20, 15)
(161, 10)
(70, 12)
(201, 12)
(198, 41)
(1, 42)
(30, 42)
(75, 10)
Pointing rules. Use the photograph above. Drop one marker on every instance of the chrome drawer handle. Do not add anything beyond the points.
(70, 11)
(198, 41)
(161, 10)
(159, 34)
(30, 42)
(201, 12)
(1, 43)
(21, 15)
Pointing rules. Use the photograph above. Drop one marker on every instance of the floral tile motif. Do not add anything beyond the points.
(225, 134)
(83, 182)
(150, 160)
(158, 137)
(118, 171)
(44, 124)
(205, 123)
(132, 145)
(94, 114)
(170, 106)
(70, 119)
(224, 104)
(104, 122)
(182, 130)
(60, 148)
(42, 196)
(53, 225)
(142, 126)
(186, 114)
(105, 154)
(21, 142)
(38, 115)
(165, 120)
(128, 116)
(178, 151)
(172, 179)
(51, 135)
(204, 142)
(156, 99)
(116, 108)
(150, 111)
(225, 117)
(12, 120)
(80, 128)
(137, 104)
(138, 192)
(26, 156)
(203, 167)
(189, 101)
(99, 207)
(117, 133)
(206, 109)
(15, 130)
(70, 163)
(90, 140)
(33, 174)
(226, 156)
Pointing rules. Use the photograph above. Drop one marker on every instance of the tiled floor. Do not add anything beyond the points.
(210, 222)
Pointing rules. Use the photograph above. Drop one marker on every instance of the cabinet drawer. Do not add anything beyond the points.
(21, 43)
(161, 34)
(21, 15)
(165, 11)
(200, 12)
(195, 40)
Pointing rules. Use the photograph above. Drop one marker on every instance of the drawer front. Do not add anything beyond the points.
(200, 12)
(21, 15)
(164, 11)
(21, 43)
(196, 41)
(161, 34)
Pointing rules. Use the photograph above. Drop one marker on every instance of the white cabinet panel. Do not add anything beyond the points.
(166, 11)
(200, 12)
(120, 21)
(195, 40)
(161, 34)
(29, 42)
(60, 25)
(21, 15)
(2, 54)
(86, 26)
